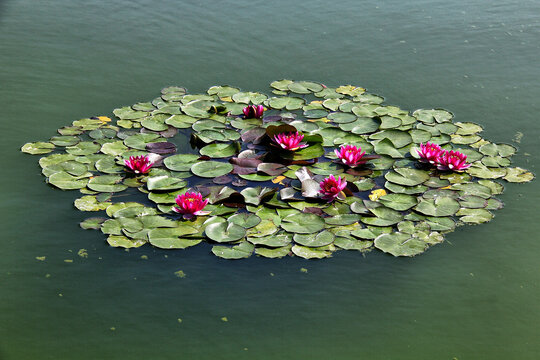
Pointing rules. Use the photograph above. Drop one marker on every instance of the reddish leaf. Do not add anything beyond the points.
(254, 136)
(161, 147)
(241, 170)
(273, 169)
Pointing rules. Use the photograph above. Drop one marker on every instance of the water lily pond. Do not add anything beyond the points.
(269, 180)
(271, 173)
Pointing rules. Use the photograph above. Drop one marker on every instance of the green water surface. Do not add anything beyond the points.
(476, 296)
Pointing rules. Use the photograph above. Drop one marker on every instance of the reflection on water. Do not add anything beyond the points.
(471, 297)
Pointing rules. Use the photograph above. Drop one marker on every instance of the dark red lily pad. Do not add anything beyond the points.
(239, 182)
(272, 118)
(254, 136)
(161, 148)
(359, 172)
(223, 179)
(313, 210)
(169, 133)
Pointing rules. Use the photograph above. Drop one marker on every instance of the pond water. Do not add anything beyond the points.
(472, 297)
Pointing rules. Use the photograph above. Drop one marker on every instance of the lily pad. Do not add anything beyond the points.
(399, 244)
(315, 240)
(240, 251)
(311, 253)
(107, 183)
(211, 169)
(302, 223)
(443, 206)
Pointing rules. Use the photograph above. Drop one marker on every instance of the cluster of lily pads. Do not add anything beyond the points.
(306, 171)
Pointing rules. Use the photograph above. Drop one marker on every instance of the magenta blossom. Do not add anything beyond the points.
(452, 160)
(429, 153)
(332, 187)
(290, 141)
(139, 164)
(350, 155)
(253, 111)
(190, 204)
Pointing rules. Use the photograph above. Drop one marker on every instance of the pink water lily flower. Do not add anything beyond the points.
(253, 111)
(290, 141)
(350, 155)
(139, 164)
(190, 204)
(332, 187)
(429, 153)
(452, 160)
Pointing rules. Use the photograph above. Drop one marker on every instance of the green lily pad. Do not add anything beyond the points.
(399, 244)
(65, 140)
(108, 165)
(518, 175)
(399, 202)
(224, 231)
(265, 228)
(107, 183)
(211, 169)
(124, 242)
(302, 223)
(165, 182)
(180, 162)
(444, 206)
(83, 148)
(71, 167)
(312, 253)
(474, 216)
(220, 150)
(289, 103)
(407, 176)
(315, 240)
(275, 240)
(65, 181)
(92, 223)
(245, 220)
(249, 98)
(257, 194)
(304, 87)
(273, 253)
(90, 203)
(281, 84)
(240, 251)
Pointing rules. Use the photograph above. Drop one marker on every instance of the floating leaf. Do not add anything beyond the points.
(400, 202)
(518, 175)
(92, 223)
(124, 242)
(302, 223)
(444, 206)
(90, 203)
(240, 251)
(399, 244)
(224, 231)
(245, 220)
(180, 162)
(220, 150)
(65, 181)
(474, 216)
(210, 169)
(273, 253)
(107, 183)
(164, 182)
(407, 176)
